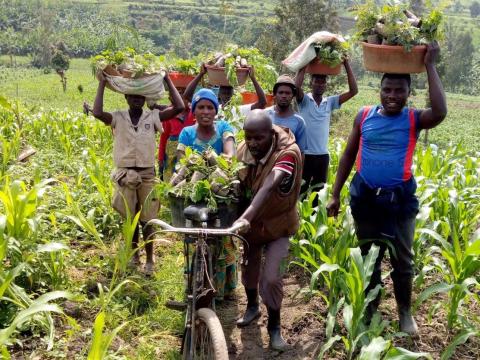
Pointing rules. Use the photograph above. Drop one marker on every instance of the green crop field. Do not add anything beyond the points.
(62, 240)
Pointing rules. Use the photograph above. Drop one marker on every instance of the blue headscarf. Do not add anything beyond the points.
(205, 94)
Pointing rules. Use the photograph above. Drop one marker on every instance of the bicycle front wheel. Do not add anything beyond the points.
(209, 342)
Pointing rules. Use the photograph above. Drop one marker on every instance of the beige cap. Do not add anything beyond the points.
(285, 80)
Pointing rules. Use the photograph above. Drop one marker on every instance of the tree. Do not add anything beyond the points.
(295, 20)
(457, 6)
(226, 9)
(475, 9)
(61, 62)
(456, 65)
(43, 37)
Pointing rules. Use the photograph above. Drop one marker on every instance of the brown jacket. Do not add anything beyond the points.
(281, 217)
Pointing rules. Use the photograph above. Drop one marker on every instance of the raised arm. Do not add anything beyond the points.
(98, 112)
(299, 83)
(431, 117)
(177, 102)
(259, 203)
(189, 91)
(345, 167)
(262, 99)
(229, 147)
(352, 84)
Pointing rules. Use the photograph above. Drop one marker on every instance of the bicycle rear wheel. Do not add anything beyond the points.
(209, 342)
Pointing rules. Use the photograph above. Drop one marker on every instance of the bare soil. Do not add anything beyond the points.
(303, 326)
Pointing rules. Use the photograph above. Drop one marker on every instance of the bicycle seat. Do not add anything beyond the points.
(199, 213)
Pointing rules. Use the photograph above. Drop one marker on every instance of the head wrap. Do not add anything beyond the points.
(205, 94)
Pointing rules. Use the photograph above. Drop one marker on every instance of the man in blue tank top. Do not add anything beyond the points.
(382, 192)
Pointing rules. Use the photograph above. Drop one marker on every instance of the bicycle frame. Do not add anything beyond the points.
(199, 272)
(199, 268)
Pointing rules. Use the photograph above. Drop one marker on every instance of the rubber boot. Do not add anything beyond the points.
(403, 294)
(274, 331)
(253, 309)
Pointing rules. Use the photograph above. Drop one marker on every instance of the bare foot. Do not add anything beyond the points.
(149, 267)
(134, 261)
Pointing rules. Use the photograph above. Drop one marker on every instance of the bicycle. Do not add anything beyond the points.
(203, 336)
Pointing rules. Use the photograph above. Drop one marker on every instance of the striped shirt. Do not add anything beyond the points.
(287, 165)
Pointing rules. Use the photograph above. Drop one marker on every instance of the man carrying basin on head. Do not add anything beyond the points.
(272, 176)
(134, 150)
(316, 110)
(382, 192)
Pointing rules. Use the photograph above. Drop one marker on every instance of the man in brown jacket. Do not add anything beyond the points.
(273, 177)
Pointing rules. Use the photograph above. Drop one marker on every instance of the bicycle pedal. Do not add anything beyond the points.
(176, 305)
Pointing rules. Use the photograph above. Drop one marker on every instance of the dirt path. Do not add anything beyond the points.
(303, 326)
(300, 327)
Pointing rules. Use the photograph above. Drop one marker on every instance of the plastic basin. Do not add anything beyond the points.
(318, 68)
(249, 97)
(218, 77)
(179, 79)
(393, 59)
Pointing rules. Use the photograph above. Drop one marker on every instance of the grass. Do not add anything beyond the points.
(34, 87)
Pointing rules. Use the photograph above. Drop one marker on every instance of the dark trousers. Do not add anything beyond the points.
(270, 277)
(400, 248)
(315, 171)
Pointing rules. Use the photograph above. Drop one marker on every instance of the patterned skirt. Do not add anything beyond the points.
(170, 158)
(226, 275)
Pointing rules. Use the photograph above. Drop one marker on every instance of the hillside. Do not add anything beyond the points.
(151, 16)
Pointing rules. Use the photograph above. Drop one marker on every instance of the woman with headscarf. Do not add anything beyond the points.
(218, 135)
(206, 133)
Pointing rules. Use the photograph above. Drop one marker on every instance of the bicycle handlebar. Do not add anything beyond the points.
(231, 231)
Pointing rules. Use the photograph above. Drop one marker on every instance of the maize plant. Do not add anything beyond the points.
(20, 206)
(354, 281)
(460, 272)
(448, 218)
(446, 246)
(98, 170)
(17, 306)
(321, 244)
